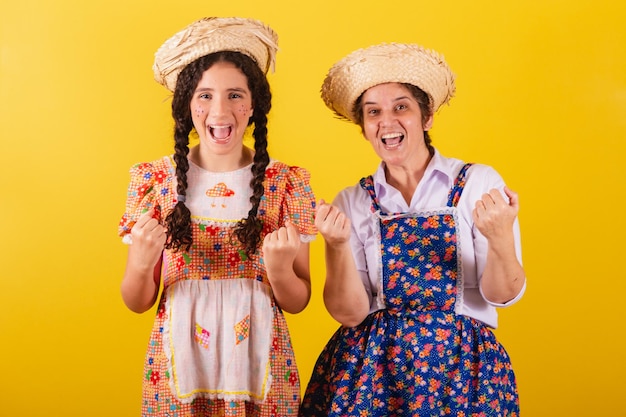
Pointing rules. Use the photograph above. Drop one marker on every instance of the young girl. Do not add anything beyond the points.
(225, 229)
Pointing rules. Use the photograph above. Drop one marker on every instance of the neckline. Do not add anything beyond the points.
(234, 171)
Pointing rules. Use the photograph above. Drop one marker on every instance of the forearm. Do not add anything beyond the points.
(292, 293)
(290, 280)
(140, 286)
(503, 276)
(344, 294)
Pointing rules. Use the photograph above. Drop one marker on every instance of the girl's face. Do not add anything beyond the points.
(221, 107)
(392, 123)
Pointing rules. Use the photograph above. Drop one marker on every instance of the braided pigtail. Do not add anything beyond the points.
(248, 230)
(178, 221)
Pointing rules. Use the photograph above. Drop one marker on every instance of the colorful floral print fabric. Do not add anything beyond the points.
(217, 256)
(416, 357)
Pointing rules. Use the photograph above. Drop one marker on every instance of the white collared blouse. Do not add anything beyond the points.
(431, 193)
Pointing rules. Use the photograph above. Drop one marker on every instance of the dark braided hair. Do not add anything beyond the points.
(422, 99)
(178, 221)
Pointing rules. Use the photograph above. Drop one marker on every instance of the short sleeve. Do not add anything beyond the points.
(299, 202)
(140, 197)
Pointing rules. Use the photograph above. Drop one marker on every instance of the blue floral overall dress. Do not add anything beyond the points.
(417, 356)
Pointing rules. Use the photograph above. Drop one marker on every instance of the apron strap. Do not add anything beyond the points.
(459, 184)
(367, 183)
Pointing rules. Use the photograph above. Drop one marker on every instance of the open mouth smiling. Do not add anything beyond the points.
(392, 140)
(220, 132)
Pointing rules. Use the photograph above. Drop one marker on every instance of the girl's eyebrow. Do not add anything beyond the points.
(238, 90)
(235, 89)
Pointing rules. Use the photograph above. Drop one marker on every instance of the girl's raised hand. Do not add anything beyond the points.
(281, 247)
(148, 239)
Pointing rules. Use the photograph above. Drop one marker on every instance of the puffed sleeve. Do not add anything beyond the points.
(299, 202)
(141, 197)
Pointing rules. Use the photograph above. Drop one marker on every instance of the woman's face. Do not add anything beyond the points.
(392, 123)
(221, 107)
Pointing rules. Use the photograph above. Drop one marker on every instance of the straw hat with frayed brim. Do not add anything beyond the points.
(214, 34)
(385, 63)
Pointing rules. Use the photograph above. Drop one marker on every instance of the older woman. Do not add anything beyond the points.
(419, 255)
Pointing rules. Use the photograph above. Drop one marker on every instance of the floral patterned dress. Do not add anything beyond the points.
(416, 357)
(220, 345)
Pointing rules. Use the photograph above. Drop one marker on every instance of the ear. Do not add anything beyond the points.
(429, 123)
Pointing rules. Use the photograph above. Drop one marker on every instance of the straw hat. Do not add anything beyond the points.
(384, 63)
(214, 34)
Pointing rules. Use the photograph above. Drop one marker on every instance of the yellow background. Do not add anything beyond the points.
(541, 96)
